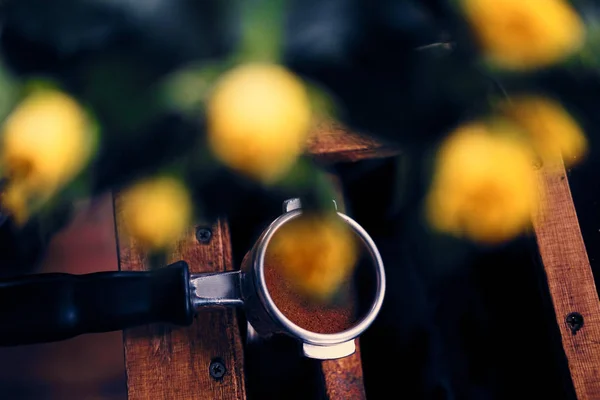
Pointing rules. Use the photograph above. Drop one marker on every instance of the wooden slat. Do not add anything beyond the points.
(570, 279)
(169, 363)
(331, 143)
(344, 377)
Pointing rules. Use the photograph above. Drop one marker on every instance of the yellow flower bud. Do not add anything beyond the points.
(317, 254)
(258, 120)
(484, 186)
(525, 34)
(46, 141)
(551, 130)
(156, 211)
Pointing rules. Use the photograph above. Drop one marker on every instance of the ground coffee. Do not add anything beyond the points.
(312, 315)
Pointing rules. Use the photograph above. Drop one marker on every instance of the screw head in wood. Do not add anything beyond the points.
(574, 322)
(217, 369)
(203, 235)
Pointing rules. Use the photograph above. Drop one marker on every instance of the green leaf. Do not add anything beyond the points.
(306, 180)
(262, 31)
(589, 55)
(39, 84)
(9, 92)
(187, 89)
(300, 177)
(122, 93)
(322, 103)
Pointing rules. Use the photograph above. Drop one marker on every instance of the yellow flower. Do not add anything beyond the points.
(46, 141)
(14, 200)
(551, 130)
(317, 253)
(157, 211)
(525, 34)
(258, 120)
(484, 186)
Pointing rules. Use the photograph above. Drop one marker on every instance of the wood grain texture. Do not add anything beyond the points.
(344, 377)
(164, 362)
(331, 143)
(570, 279)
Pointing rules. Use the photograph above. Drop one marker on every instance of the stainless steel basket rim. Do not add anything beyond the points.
(319, 339)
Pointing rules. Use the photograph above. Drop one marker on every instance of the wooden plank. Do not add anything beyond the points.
(344, 377)
(570, 279)
(331, 143)
(164, 362)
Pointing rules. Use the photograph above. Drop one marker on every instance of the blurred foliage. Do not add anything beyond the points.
(406, 72)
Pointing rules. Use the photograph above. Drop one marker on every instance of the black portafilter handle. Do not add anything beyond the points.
(56, 306)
